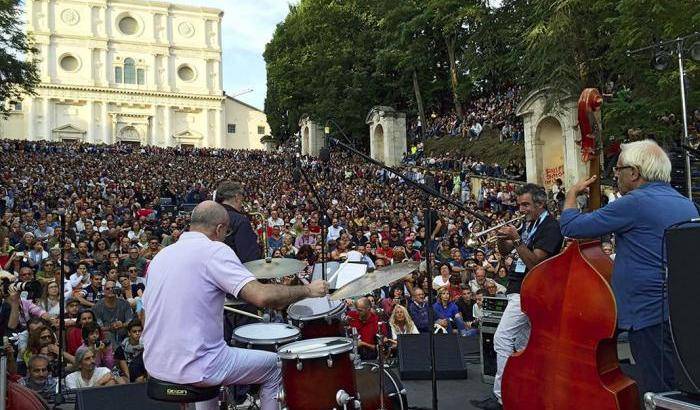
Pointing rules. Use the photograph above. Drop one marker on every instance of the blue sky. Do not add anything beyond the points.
(247, 26)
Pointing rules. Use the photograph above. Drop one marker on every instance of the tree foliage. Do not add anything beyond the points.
(18, 69)
(339, 58)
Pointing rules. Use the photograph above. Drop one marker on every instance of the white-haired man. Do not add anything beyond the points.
(183, 332)
(638, 219)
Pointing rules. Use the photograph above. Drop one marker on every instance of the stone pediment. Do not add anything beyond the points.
(187, 135)
(381, 111)
(69, 129)
(68, 132)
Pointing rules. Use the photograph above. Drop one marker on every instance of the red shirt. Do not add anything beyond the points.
(388, 252)
(366, 330)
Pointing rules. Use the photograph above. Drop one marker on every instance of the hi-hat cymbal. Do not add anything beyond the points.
(274, 268)
(374, 280)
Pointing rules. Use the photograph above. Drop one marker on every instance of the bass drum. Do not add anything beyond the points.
(367, 382)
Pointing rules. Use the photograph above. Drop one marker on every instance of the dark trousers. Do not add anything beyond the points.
(654, 355)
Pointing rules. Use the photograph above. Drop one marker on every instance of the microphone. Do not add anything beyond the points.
(266, 318)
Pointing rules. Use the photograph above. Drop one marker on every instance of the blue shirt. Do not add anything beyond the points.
(445, 312)
(638, 220)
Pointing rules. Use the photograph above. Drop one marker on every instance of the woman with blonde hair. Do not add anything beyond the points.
(400, 323)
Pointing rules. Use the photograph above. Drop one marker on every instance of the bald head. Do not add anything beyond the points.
(207, 216)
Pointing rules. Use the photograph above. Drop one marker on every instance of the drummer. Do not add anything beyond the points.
(187, 284)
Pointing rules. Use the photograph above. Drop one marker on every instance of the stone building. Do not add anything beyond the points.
(131, 71)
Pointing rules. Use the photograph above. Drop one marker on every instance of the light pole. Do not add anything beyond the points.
(661, 64)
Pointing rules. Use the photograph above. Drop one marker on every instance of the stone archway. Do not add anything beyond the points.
(305, 141)
(387, 135)
(552, 137)
(549, 140)
(312, 139)
(378, 143)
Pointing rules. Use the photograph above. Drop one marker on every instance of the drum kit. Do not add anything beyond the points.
(318, 352)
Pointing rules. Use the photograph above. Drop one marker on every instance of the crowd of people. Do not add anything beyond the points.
(495, 111)
(124, 204)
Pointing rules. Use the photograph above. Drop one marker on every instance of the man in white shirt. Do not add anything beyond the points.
(88, 375)
(187, 284)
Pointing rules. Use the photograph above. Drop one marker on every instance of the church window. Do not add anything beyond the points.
(186, 73)
(232, 128)
(129, 71)
(128, 25)
(118, 75)
(261, 130)
(69, 63)
(140, 76)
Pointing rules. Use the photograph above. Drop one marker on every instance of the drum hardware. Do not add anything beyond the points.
(300, 366)
(343, 398)
(380, 358)
(329, 361)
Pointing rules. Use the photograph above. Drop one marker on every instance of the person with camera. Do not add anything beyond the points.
(129, 354)
(101, 347)
(201, 269)
(113, 313)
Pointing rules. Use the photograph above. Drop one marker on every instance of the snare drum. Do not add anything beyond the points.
(265, 336)
(317, 317)
(314, 370)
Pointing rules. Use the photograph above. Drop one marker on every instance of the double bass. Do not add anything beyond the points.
(570, 361)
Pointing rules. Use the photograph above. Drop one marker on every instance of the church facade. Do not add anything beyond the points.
(131, 71)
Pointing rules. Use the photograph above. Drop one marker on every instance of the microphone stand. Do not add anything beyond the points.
(323, 220)
(428, 192)
(61, 312)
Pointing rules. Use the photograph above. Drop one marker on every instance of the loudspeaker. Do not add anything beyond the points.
(414, 357)
(119, 397)
(684, 304)
(488, 355)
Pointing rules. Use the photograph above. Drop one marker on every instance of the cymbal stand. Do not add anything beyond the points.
(380, 360)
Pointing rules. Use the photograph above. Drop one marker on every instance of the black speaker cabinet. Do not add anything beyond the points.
(414, 357)
(682, 245)
(120, 397)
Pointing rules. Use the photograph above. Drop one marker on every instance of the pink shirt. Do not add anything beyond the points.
(183, 337)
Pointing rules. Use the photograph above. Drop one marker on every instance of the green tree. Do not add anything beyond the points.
(18, 68)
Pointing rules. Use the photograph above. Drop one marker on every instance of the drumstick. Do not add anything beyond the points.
(244, 313)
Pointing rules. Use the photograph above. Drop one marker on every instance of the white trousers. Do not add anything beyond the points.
(246, 366)
(511, 335)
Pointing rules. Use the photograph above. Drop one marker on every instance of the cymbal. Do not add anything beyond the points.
(274, 268)
(375, 280)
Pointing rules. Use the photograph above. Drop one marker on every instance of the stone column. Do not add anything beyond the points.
(152, 126)
(219, 129)
(30, 119)
(168, 126)
(92, 126)
(106, 125)
(48, 114)
(207, 141)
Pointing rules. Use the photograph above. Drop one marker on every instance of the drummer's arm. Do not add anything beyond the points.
(280, 296)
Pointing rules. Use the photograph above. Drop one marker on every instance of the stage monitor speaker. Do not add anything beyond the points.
(414, 357)
(684, 304)
(119, 397)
